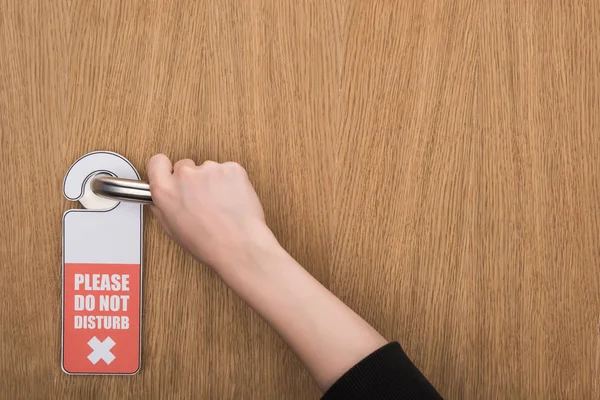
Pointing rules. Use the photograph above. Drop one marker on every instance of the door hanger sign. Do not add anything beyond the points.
(102, 273)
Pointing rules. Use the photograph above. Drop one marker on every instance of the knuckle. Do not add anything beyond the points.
(186, 171)
(187, 161)
(157, 157)
(234, 166)
(208, 164)
(153, 160)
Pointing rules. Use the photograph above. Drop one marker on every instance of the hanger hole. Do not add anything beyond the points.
(92, 201)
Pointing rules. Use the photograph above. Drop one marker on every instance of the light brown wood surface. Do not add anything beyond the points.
(434, 163)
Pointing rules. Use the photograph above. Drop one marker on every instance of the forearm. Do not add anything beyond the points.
(326, 335)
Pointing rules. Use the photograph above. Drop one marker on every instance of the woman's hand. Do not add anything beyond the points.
(211, 209)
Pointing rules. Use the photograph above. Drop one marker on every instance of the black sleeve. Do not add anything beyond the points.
(387, 373)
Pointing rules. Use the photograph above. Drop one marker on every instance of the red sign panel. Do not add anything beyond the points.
(101, 318)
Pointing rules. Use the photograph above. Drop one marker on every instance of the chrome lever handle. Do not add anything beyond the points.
(122, 189)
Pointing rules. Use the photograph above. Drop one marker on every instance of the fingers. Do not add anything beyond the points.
(186, 162)
(159, 168)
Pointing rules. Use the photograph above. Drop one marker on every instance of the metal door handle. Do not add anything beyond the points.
(122, 189)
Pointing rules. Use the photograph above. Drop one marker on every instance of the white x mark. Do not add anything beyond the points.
(101, 350)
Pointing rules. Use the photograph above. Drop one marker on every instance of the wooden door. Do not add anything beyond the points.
(434, 163)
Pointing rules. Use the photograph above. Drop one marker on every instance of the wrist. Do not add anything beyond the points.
(248, 255)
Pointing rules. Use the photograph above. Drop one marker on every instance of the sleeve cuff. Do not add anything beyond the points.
(387, 373)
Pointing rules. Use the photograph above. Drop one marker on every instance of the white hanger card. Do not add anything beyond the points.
(102, 273)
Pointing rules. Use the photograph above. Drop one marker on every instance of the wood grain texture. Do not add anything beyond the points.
(466, 195)
(32, 120)
(405, 192)
(434, 163)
